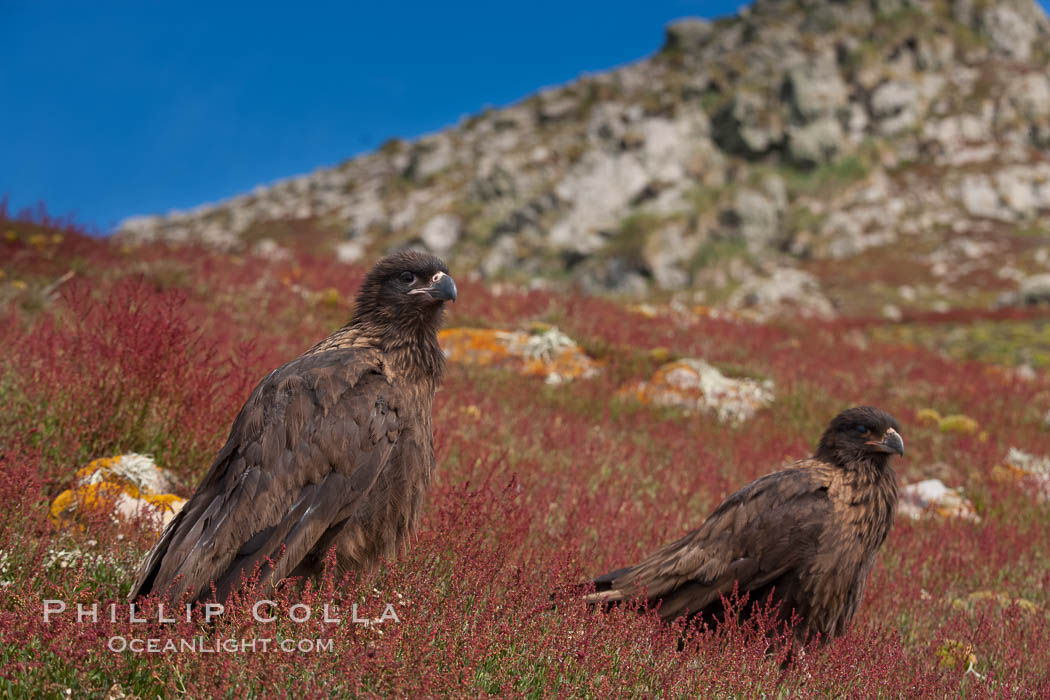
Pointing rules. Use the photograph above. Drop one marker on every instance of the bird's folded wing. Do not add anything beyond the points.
(756, 535)
(313, 437)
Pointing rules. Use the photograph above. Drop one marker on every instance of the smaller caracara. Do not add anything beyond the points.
(332, 450)
(807, 535)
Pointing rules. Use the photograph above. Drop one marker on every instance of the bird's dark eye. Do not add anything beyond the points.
(407, 277)
(861, 429)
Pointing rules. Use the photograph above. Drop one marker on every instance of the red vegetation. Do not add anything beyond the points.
(153, 349)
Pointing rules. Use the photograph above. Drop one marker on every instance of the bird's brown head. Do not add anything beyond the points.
(863, 435)
(405, 291)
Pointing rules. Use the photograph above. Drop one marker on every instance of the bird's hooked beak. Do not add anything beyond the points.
(892, 443)
(442, 288)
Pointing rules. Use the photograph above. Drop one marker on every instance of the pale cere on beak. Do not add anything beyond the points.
(442, 288)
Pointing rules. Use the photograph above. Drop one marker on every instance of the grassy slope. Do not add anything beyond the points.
(154, 349)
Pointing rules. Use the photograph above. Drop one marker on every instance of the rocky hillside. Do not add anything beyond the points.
(860, 156)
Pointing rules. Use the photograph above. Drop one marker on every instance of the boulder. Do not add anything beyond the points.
(816, 143)
(599, 188)
(542, 351)
(430, 156)
(687, 34)
(129, 486)
(615, 274)
(1029, 95)
(441, 232)
(752, 218)
(501, 256)
(1031, 472)
(895, 106)
(979, 198)
(349, 252)
(748, 126)
(932, 498)
(785, 291)
(667, 254)
(557, 106)
(1010, 32)
(494, 185)
(271, 250)
(695, 386)
(953, 133)
(1033, 290)
(816, 90)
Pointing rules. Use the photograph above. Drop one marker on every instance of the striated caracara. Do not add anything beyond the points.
(333, 449)
(808, 535)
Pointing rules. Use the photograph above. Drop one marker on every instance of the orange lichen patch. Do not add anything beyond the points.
(693, 384)
(666, 384)
(125, 485)
(476, 346)
(546, 352)
(561, 365)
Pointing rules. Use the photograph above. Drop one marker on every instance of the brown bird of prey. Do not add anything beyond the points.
(807, 535)
(333, 449)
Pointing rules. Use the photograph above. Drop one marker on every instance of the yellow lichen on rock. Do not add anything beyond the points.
(85, 497)
(126, 485)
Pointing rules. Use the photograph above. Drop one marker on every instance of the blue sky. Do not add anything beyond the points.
(114, 109)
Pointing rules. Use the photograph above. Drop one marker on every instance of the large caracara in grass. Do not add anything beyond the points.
(333, 449)
(807, 535)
